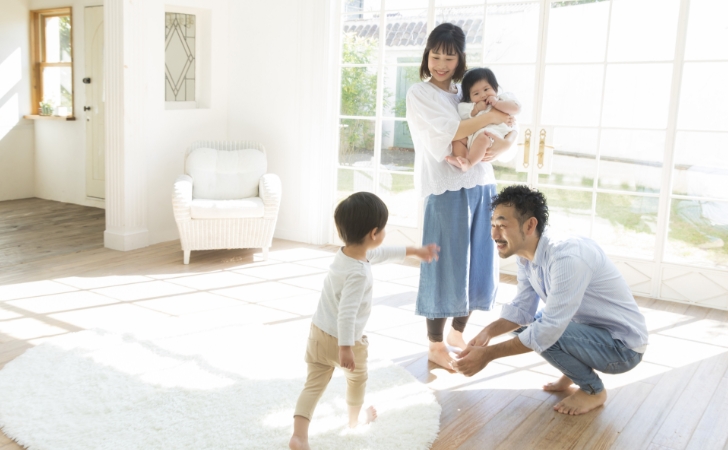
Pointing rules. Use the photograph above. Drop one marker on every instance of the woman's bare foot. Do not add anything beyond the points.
(439, 354)
(298, 443)
(455, 339)
(580, 402)
(561, 385)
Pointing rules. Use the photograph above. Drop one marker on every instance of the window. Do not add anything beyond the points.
(179, 58)
(51, 38)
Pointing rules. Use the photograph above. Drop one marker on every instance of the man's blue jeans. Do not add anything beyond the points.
(583, 348)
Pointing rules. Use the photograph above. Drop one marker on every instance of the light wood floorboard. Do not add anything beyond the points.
(57, 278)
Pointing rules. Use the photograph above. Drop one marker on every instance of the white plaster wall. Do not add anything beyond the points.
(282, 74)
(16, 133)
(170, 132)
(60, 166)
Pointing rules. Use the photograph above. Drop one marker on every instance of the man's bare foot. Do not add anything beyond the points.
(453, 160)
(455, 339)
(298, 443)
(561, 385)
(439, 354)
(580, 402)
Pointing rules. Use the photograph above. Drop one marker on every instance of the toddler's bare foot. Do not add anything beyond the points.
(580, 402)
(561, 385)
(455, 338)
(453, 160)
(439, 355)
(371, 414)
(298, 443)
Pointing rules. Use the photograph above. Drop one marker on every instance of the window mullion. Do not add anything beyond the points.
(380, 96)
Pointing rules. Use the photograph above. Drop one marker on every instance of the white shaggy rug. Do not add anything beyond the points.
(172, 388)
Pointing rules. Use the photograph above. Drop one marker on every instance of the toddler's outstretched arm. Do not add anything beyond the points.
(428, 253)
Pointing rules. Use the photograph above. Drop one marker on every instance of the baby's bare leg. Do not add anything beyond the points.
(459, 150)
(476, 152)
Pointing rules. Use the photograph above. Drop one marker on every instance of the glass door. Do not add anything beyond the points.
(623, 126)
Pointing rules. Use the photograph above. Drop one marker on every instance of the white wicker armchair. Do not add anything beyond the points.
(219, 211)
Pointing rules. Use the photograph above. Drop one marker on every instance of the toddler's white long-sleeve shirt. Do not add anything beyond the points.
(346, 298)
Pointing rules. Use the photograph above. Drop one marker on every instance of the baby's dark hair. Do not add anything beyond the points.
(472, 76)
(527, 202)
(447, 38)
(357, 215)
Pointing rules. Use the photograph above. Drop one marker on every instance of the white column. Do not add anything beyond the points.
(125, 89)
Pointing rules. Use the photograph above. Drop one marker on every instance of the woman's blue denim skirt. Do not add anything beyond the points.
(465, 278)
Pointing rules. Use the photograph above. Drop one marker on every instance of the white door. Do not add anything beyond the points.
(94, 107)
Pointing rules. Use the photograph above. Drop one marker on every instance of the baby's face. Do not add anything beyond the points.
(480, 91)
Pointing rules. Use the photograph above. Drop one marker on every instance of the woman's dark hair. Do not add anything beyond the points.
(446, 38)
(527, 203)
(472, 76)
(357, 215)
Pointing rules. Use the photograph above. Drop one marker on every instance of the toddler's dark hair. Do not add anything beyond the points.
(447, 38)
(527, 202)
(472, 76)
(357, 215)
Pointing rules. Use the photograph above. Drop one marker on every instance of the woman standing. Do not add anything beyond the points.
(457, 204)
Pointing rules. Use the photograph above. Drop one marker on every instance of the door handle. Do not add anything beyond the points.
(87, 108)
(542, 147)
(526, 147)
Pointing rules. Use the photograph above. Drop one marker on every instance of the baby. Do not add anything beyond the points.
(480, 94)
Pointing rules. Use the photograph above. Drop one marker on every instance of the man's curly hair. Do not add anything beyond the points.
(527, 202)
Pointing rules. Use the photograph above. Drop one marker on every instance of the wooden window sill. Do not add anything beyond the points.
(39, 117)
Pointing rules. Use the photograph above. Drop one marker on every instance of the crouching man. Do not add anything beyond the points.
(590, 319)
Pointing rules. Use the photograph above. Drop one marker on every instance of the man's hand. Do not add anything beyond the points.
(481, 340)
(346, 357)
(428, 253)
(472, 360)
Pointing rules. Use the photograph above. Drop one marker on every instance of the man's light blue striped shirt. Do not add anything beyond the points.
(578, 283)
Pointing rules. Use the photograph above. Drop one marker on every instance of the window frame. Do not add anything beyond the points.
(38, 55)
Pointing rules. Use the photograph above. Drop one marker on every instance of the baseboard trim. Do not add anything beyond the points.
(126, 240)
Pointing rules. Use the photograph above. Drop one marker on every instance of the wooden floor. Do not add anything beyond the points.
(56, 278)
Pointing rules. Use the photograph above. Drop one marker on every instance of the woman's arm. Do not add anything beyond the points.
(470, 126)
(499, 146)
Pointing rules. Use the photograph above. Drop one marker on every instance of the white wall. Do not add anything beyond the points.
(16, 133)
(272, 81)
(169, 132)
(282, 79)
(60, 166)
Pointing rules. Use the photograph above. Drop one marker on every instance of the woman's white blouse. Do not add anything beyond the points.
(432, 116)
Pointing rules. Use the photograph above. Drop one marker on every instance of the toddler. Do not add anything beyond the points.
(336, 338)
(480, 94)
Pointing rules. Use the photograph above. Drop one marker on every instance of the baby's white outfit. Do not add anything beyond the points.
(499, 129)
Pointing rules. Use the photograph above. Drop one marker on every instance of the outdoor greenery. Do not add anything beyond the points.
(358, 96)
